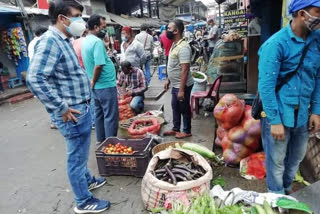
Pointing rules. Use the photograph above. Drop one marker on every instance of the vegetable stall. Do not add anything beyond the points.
(178, 176)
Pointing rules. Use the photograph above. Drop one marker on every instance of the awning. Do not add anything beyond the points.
(9, 10)
(125, 21)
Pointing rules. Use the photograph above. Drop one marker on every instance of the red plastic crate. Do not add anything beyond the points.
(125, 164)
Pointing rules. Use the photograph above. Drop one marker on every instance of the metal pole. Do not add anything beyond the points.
(219, 16)
(141, 8)
(157, 3)
(149, 8)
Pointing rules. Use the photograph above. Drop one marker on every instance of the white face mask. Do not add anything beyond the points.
(313, 23)
(77, 26)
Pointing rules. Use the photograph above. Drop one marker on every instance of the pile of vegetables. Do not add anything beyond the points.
(125, 111)
(238, 133)
(198, 75)
(231, 36)
(205, 204)
(140, 127)
(118, 149)
(174, 171)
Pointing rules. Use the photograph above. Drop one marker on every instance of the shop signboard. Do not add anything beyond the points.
(236, 20)
(43, 4)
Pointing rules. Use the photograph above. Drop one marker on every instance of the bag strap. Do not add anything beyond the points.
(287, 78)
(145, 42)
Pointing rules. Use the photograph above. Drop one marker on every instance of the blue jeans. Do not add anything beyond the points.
(137, 104)
(78, 138)
(283, 157)
(147, 71)
(92, 108)
(181, 108)
(107, 113)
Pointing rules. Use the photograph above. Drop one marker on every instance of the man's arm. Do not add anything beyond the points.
(41, 69)
(184, 59)
(99, 55)
(269, 68)
(142, 84)
(314, 122)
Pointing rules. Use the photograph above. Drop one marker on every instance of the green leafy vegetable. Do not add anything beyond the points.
(290, 204)
(219, 181)
(234, 209)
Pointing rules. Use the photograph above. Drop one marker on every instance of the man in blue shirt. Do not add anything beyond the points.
(102, 73)
(285, 121)
(56, 78)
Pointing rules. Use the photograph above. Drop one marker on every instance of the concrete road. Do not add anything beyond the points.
(33, 172)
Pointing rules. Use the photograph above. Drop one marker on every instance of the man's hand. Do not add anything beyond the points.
(68, 116)
(92, 84)
(278, 132)
(167, 84)
(129, 93)
(314, 124)
(181, 95)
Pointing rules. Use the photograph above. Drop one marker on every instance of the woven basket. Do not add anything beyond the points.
(163, 146)
(310, 167)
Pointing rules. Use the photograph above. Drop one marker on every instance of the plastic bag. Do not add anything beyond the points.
(253, 167)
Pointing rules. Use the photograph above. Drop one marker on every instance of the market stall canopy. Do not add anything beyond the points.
(175, 3)
(124, 20)
(8, 10)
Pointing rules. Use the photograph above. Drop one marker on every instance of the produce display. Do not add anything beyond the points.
(198, 75)
(125, 111)
(140, 127)
(174, 171)
(238, 133)
(206, 204)
(231, 36)
(118, 149)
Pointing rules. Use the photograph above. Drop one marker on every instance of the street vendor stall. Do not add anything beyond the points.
(13, 45)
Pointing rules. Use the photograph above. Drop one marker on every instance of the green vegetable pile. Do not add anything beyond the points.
(198, 75)
(206, 205)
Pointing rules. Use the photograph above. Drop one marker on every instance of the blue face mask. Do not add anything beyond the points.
(123, 38)
(77, 26)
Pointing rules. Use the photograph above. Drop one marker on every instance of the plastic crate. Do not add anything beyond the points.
(124, 164)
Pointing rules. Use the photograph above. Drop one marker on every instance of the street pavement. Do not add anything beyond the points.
(33, 164)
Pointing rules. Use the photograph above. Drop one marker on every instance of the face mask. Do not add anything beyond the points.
(170, 35)
(313, 23)
(77, 26)
(123, 38)
(102, 34)
(249, 16)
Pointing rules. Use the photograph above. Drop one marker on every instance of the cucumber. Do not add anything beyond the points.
(267, 208)
(205, 152)
(259, 209)
(177, 145)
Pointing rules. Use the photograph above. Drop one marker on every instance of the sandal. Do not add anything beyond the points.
(181, 135)
(169, 133)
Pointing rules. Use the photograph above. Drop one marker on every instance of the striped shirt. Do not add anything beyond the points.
(55, 76)
(134, 81)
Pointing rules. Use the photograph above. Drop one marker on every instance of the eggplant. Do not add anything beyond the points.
(171, 175)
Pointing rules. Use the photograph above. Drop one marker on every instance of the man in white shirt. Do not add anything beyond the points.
(147, 41)
(38, 33)
(213, 36)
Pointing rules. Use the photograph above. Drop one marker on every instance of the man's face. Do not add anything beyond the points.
(126, 35)
(172, 28)
(102, 26)
(309, 17)
(126, 70)
(73, 13)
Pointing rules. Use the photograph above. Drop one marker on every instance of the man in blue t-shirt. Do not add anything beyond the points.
(291, 112)
(102, 74)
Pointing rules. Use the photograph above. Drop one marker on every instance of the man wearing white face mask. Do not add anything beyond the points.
(289, 83)
(57, 79)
